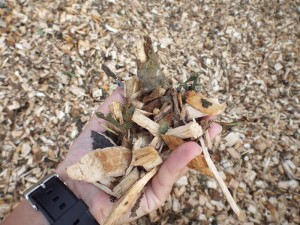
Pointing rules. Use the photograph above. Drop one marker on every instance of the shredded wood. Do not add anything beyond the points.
(128, 200)
(246, 53)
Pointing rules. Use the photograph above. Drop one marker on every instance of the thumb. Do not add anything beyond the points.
(170, 172)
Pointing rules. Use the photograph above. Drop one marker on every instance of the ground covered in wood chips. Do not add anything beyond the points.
(246, 52)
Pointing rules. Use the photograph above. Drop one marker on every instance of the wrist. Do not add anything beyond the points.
(24, 214)
(60, 201)
(79, 188)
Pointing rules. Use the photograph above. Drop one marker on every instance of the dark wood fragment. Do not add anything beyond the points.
(102, 140)
(152, 105)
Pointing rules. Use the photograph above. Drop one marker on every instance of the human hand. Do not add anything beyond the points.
(158, 188)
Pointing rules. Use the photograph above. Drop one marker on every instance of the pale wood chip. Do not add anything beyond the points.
(146, 157)
(126, 183)
(128, 200)
(145, 122)
(104, 188)
(190, 130)
(101, 163)
(193, 113)
(157, 93)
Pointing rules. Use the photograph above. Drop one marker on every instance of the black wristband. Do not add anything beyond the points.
(58, 203)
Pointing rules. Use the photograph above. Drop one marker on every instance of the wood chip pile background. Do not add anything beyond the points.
(245, 53)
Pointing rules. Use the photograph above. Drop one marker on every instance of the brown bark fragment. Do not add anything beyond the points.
(197, 163)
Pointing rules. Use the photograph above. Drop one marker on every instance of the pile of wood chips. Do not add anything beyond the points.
(157, 118)
(246, 53)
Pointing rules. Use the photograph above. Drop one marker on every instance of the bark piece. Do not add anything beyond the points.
(126, 183)
(180, 103)
(205, 105)
(190, 130)
(199, 164)
(128, 200)
(148, 69)
(155, 104)
(102, 140)
(157, 93)
(163, 113)
(146, 157)
(145, 122)
(169, 119)
(101, 163)
(175, 102)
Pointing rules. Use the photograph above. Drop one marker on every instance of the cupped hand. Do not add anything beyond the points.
(158, 188)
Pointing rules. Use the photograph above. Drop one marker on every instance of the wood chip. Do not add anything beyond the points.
(206, 105)
(101, 163)
(127, 201)
(157, 93)
(126, 183)
(145, 122)
(190, 130)
(146, 157)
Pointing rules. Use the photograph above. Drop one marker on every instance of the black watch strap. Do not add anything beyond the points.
(58, 203)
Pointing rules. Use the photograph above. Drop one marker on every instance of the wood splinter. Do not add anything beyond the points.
(240, 214)
(145, 122)
(128, 200)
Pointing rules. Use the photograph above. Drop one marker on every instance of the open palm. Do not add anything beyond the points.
(158, 188)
